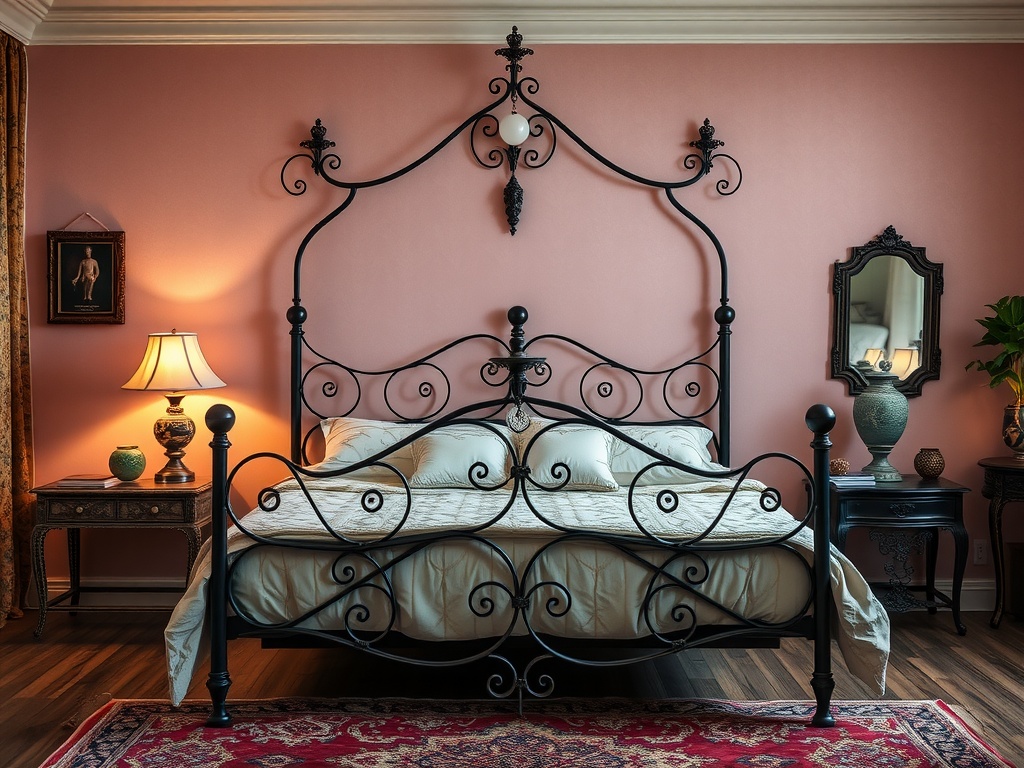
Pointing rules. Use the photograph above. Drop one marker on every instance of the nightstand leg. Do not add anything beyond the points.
(75, 564)
(931, 556)
(39, 568)
(194, 538)
(960, 546)
(995, 522)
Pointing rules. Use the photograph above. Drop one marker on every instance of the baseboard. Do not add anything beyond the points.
(975, 595)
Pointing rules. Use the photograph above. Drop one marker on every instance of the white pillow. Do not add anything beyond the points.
(348, 441)
(684, 443)
(582, 449)
(445, 458)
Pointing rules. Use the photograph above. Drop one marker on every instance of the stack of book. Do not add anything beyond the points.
(87, 481)
(853, 480)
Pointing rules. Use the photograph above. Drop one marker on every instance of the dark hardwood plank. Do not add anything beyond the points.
(47, 687)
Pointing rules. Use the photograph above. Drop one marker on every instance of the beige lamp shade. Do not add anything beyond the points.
(173, 363)
(905, 361)
(874, 356)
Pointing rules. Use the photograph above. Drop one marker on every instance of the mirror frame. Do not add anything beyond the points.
(889, 243)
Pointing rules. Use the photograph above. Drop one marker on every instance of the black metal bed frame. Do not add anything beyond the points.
(517, 370)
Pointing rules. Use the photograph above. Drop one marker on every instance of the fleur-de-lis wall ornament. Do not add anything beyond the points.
(317, 144)
(707, 143)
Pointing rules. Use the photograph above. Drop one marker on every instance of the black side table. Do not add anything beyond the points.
(906, 513)
(1004, 482)
(186, 507)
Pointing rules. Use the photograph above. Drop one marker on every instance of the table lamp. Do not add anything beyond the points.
(174, 364)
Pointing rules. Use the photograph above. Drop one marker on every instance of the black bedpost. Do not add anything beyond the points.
(724, 316)
(820, 420)
(219, 419)
(296, 317)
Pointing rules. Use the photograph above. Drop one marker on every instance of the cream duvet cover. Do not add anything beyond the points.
(434, 586)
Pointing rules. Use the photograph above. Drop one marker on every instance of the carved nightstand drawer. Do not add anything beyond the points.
(890, 511)
(152, 509)
(80, 510)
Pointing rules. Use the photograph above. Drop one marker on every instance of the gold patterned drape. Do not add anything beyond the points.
(15, 401)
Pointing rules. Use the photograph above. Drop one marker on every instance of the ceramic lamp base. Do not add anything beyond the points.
(174, 431)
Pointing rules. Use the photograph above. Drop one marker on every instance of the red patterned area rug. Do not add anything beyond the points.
(557, 733)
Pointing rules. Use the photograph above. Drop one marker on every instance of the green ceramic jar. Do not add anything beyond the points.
(127, 462)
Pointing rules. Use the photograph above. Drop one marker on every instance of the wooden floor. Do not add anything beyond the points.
(48, 686)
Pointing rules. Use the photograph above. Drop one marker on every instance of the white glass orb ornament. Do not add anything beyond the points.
(514, 129)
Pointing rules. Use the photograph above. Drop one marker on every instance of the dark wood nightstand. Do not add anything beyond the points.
(1004, 482)
(143, 503)
(907, 515)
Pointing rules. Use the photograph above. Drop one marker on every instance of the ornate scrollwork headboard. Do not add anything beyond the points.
(322, 385)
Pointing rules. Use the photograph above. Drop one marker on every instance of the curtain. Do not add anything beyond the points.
(904, 306)
(16, 503)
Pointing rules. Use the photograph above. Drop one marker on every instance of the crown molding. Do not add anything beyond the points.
(116, 22)
(21, 17)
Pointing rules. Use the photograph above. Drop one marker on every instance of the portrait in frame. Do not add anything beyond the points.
(86, 276)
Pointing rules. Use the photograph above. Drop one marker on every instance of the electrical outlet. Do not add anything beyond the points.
(980, 552)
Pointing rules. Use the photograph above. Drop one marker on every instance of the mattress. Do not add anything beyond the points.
(579, 588)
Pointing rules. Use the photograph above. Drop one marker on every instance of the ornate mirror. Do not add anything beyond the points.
(886, 307)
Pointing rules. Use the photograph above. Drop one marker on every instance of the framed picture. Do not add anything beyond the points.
(86, 276)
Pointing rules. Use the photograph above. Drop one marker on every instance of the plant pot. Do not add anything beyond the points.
(1013, 432)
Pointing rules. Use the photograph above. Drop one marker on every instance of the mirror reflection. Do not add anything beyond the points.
(887, 314)
(886, 308)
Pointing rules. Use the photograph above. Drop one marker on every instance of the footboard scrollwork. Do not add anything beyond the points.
(548, 595)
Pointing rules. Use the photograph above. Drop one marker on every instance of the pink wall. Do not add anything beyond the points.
(181, 147)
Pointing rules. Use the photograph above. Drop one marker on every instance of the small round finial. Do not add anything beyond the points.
(518, 315)
(220, 418)
(820, 419)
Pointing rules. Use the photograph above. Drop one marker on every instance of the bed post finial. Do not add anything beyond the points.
(517, 317)
(517, 364)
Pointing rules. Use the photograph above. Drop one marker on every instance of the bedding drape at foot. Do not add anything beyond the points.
(16, 505)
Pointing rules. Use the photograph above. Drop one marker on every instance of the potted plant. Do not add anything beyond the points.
(1005, 329)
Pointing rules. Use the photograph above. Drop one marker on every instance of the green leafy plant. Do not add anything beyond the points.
(1005, 329)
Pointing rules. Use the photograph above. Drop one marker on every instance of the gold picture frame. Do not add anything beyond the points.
(86, 277)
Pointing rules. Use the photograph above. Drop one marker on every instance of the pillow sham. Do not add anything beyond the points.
(582, 449)
(444, 458)
(685, 443)
(349, 440)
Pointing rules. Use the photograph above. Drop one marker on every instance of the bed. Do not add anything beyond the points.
(539, 513)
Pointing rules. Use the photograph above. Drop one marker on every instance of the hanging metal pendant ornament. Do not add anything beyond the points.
(513, 129)
(513, 194)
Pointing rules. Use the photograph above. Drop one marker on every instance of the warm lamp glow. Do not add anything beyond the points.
(173, 364)
(905, 362)
(874, 356)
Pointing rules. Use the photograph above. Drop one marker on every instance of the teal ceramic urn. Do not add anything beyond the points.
(880, 414)
(127, 462)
